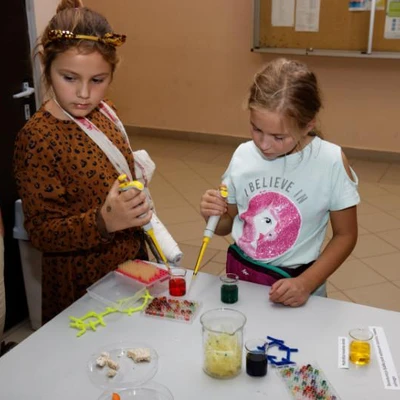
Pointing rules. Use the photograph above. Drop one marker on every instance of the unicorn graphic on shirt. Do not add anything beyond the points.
(271, 225)
(265, 223)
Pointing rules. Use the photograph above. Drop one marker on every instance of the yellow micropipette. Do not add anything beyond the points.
(124, 185)
(208, 234)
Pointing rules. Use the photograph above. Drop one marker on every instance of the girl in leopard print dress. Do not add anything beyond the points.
(74, 212)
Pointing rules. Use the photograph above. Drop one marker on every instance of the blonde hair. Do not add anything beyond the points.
(289, 88)
(72, 16)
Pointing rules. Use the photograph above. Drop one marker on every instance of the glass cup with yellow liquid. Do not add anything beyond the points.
(360, 346)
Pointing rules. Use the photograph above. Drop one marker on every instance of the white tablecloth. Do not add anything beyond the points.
(52, 362)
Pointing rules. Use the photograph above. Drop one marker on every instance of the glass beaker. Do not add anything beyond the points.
(256, 357)
(360, 348)
(177, 282)
(229, 288)
(222, 342)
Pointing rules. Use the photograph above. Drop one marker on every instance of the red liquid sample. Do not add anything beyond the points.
(177, 286)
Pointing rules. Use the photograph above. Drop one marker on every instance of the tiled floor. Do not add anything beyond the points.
(185, 169)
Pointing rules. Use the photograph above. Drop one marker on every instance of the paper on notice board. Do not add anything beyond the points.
(365, 5)
(307, 15)
(393, 8)
(392, 20)
(282, 13)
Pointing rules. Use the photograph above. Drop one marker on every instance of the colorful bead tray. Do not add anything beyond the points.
(172, 309)
(307, 382)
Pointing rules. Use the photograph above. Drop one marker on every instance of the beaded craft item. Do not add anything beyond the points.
(307, 382)
(174, 309)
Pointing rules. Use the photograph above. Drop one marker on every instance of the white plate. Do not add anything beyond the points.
(150, 391)
(129, 374)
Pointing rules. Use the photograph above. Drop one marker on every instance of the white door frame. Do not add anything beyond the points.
(36, 67)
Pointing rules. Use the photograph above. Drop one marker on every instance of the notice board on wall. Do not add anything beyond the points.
(339, 29)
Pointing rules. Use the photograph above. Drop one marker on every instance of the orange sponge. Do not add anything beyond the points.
(142, 271)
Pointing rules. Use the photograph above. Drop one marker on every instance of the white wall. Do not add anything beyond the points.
(39, 12)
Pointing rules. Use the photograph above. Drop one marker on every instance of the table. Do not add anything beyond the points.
(52, 362)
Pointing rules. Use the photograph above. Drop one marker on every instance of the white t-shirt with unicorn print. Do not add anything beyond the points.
(284, 204)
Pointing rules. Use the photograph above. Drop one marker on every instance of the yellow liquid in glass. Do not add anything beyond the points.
(360, 352)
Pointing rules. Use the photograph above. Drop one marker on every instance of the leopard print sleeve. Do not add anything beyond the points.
(60, 202)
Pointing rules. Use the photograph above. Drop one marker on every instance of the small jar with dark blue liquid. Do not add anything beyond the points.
(256, 357)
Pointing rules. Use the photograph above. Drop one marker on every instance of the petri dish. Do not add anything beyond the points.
(149, 391)
(129, 374)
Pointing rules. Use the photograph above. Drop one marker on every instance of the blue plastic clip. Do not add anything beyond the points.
(282, 347)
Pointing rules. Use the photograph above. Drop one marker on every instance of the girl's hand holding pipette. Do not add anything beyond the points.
(212, 203)
(127, 209)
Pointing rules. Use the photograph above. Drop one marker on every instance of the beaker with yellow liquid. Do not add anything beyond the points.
(360, 347)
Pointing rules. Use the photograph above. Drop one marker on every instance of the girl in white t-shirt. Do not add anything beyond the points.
(284, 186)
